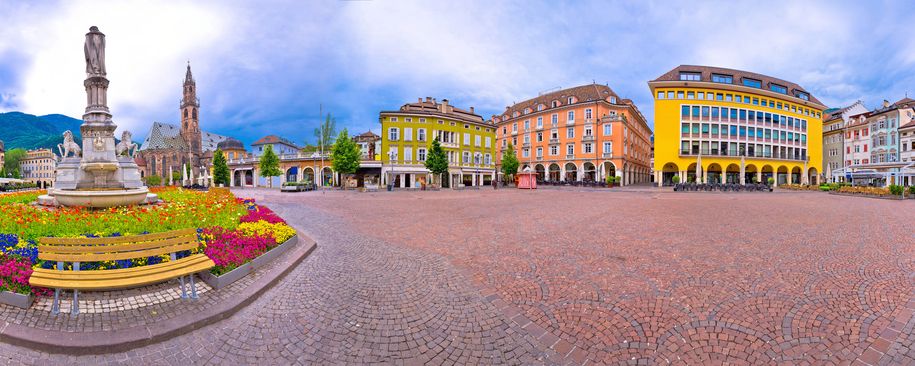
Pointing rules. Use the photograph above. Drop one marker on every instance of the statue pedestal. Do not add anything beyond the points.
(68, 173)
(129, 173)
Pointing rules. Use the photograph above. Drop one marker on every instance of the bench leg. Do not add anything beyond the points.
(55, 306)
(193, 287)
(183, 289)
(75, 309)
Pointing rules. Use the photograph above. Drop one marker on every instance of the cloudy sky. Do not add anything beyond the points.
(266, 67)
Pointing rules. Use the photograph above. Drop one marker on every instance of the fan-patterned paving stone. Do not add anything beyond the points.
(567, 276)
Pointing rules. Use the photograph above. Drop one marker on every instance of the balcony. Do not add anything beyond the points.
(554, 141)
(570, 122)
(570, 156)
(608, 155)
(514, 133)
(587, 138)
(453, 145)
(539, 128)
(540, 158)
(526, 144)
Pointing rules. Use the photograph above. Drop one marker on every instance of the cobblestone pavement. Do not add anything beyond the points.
(550, 276)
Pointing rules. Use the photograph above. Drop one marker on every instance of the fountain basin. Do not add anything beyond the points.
(99, 167)
(102, 198)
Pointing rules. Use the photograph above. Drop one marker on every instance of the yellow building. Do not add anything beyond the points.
(406, 139)
(732, 126)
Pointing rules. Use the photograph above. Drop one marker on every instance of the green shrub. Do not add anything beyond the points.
(675, 179)
(771, 181)
(896, 190)
(912, 190)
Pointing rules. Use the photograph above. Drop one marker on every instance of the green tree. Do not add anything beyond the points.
(220, 168)
(11, 162)
(324, 134)
(270, 165)
(153, 180)
(437, 160)
(176, 178)
(510, 162)
(345, 154)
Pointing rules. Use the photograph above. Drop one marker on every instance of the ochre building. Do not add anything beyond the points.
(732, 126)
(585, 133)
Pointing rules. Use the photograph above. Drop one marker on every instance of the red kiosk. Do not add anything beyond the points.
(527, 179)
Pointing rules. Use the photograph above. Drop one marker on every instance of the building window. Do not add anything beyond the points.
(408, 134)
(393, 119)
(539, 136)
(612, 100)
(554, 150)
(753, 83)
(539, 152)
(608, 130)
(555, 119)
(393, 134)
(570, 132)
(477, 140)
(515, 127)
(525, 152)
(778, 88)
(540, 121)
(527, 125)
(466, 139)
(588, 113)
(408, 154)
(571, 116)
(487, 159)
(489, 141)
(680, 94)
(660, 95)
(465, 157)
(586, 148)
(570, 149)
(724, 79)
(421, 134)
(690, 95)
(608, 147)
(392, 153)
(690, 76)
(803, 95)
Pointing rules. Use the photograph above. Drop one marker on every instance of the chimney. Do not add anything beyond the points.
(471, 110)
(445, 106)
(428, 99)
(419, 100)
(886, 103)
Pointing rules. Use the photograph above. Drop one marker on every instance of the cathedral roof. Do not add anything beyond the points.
(168, 136)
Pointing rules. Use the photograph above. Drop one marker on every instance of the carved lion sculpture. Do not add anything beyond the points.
(126, 146)
(68, 146)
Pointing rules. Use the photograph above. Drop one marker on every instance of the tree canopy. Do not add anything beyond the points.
(345, 154)
(324, 134)
(220, 168)
(11, 162)
(269, 164)
(436, 159)
(510, 161)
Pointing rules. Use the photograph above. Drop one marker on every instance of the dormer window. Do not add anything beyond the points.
(721, 78)
(803, 95)
(690, 76)
(612, 100)
(571, 100)
(540, 107)
(753, 83)
(555, 103)
(778, 88)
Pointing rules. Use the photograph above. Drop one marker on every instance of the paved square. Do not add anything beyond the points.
(565, 276)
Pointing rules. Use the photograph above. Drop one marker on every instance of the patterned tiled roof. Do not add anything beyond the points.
(168, 136)
(274, 139)
(582, 93)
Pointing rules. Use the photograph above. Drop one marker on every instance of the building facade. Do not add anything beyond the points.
(2, 154)
(907, 149)
(584, 133)
(834, 139)
(168, 147)
(280, 146)
(731, 126)
(39, 167)
(407, 136)
(874, 143)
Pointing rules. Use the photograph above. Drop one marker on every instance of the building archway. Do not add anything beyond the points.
(609, 169)
(732, 174)
(571, 172)
(782, 175)
(541, 172)
(766, 173)
(812, 176)
(590, 173)
(691, 172)
(309, 173)
(554, 172)
(668, 172)
(750, 173)
(796, 175)
(328, 176)
(292, 174)
(714, 173)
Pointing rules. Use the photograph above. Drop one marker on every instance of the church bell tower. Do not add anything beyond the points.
(190, 126)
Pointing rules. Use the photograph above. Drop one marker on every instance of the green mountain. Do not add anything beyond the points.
(21, 130)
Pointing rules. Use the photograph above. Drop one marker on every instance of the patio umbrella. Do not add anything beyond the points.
(183, 174)
(169, 175)
(804, 174)
(698, 166)
(828, 172)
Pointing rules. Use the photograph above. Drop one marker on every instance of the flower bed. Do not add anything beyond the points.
(871, 191)
(232, 231)
(800, 187)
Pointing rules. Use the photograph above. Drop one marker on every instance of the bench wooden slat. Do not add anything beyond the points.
(117, 256)
(120, 272)
(113, 248)
(117, 239)
(158, 273)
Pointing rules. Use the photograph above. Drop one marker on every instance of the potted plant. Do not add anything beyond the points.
(675, 179)
(771, 181)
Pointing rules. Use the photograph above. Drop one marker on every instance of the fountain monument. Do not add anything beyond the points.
(97, 173)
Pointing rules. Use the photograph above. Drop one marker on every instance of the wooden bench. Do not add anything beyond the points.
(83, 250)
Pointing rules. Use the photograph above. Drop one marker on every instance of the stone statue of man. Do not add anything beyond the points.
(95, 52)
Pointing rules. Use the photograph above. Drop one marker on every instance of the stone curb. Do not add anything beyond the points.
(88, 343)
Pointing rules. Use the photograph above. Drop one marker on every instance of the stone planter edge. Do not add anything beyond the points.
(218, 282)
